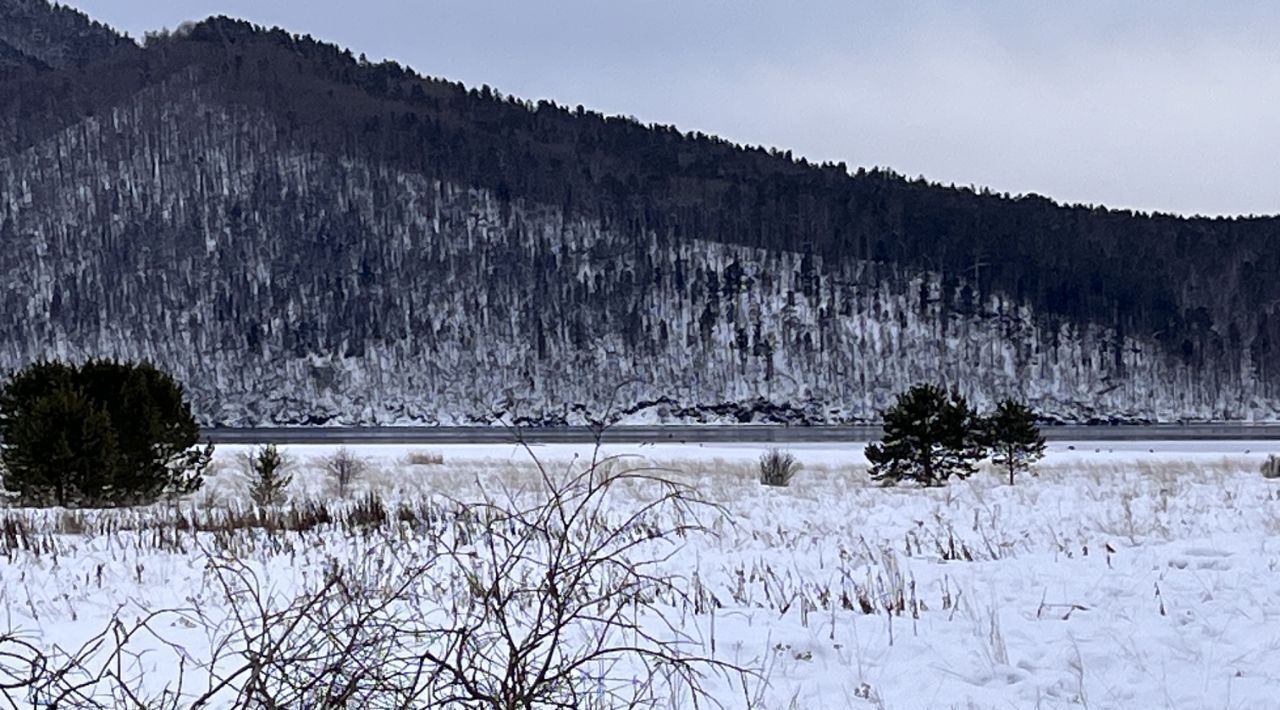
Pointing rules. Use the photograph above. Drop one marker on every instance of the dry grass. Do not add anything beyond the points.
(357, 566)
(777, 468)
(832, 509)
(758, 556)
(424, 458)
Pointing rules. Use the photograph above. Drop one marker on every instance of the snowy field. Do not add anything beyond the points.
(1122, 575)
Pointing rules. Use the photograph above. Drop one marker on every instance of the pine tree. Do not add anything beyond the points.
(1013, 436)
(102, 433)
(269, 477)
(929, 436)
(156, 433)
(62, 451)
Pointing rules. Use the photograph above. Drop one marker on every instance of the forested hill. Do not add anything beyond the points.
(37, 35)
(304, 236)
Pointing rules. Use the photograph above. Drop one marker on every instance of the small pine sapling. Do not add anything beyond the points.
(267, 466)
(1015, 439)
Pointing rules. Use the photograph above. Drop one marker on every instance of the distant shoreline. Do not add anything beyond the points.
(706, 433)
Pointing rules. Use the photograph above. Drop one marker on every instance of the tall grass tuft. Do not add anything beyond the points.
(1271, 467)
(777, 468)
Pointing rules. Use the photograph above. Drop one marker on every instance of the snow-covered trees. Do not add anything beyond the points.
(420, 253)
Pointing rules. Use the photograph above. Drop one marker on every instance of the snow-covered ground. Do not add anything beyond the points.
(1125, 575)
(831, 454)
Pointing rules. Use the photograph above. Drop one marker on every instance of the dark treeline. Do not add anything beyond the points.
(37, 36)
(1202, 290)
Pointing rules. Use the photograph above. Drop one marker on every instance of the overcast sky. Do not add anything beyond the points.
(1170, 106)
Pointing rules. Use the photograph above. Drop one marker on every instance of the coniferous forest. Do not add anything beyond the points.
(301, 236)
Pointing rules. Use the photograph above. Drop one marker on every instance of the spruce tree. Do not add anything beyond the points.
(929, 436)
(1014, 438)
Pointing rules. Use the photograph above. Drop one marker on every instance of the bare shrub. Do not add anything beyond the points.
(107, 671)
(425, 458)
(777, 468)
(269, 478)
(344, 467)
(529, 599)
(557, 606)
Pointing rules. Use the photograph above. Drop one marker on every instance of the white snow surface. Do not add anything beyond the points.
(1120, 575)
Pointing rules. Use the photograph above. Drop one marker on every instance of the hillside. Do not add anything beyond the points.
(304, 237)
(35, 36)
